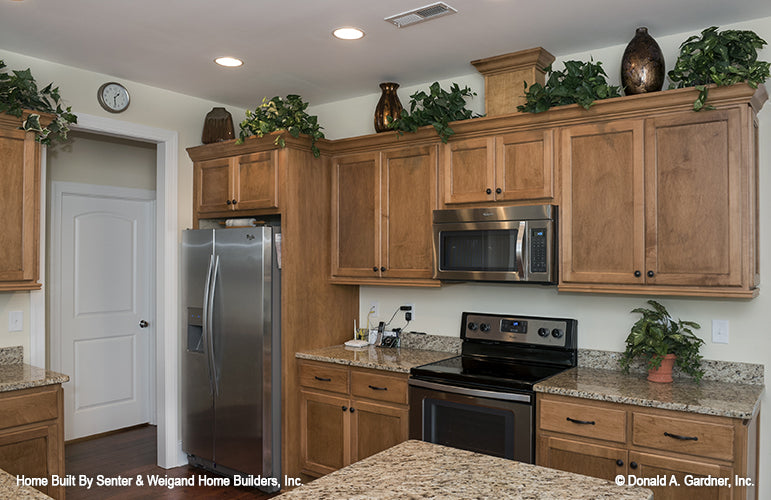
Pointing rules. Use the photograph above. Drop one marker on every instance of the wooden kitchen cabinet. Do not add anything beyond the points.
(604, 440)
(236, 184)
(341, 426)
(514, 167)
(662, 205)
(32, 434)
(20, 206)
(382, 208)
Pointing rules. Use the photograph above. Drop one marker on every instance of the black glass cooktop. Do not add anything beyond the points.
(486, 373)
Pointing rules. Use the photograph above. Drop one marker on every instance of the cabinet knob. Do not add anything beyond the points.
(345, 408)
(489, 191)
(235, 201)
(650, 274)
(633, 465)
(352, 409)
(620, 462)
(637, 274)
(498, 191)
(374, 268)
(382, 269)
(228, 202)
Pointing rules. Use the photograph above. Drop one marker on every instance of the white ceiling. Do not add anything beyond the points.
(287, 46)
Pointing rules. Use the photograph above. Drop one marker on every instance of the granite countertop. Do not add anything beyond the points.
(416, 469)
(23, 376)
(710, 397)
(380, 358)
(9, 489)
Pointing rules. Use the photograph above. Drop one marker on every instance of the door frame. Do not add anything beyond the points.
(169, 452)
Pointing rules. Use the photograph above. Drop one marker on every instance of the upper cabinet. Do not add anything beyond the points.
(514, 167)
(20, 206)
(236, 183)
(382, 204)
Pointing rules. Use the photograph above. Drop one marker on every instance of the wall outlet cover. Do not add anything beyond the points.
(719, 331)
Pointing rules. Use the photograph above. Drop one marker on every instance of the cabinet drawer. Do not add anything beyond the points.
(583, 420)
(324, 376)
(21, 407)
(380, 387)
(683, 435)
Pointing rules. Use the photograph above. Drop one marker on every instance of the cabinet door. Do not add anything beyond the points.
(524, 164)
(213, 186)
(408, 200)
(256, 181)
(19, 204)
(356, 216)
(325, 444)
(469, 171)
(695, 198)
(376, 427)
(605, 462)
(649, 465)
(34, 451)
(602, 197)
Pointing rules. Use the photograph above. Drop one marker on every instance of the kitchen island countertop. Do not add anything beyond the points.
(416, 469)
(16, 376)
(398, 360)
(9, 489)
(710, 397)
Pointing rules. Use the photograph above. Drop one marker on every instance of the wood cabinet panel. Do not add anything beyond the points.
(469, 171)
(605, 462)
(376, 427)
(380, 387)
(683, 435)
(650, 465)
(325, 446)
(583, 420)
(324, 376)
(602, 199)
(214, 186)
(524, 166)
(256, 182)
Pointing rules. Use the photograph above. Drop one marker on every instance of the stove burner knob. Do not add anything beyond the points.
(484, 327)
(472, 326)
(543, 332)
(557, 333)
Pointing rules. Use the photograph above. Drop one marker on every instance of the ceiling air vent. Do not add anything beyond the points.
(421, 14)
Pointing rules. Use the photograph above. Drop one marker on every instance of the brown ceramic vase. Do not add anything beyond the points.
(217, 126)
(387, 107)
(642, 65)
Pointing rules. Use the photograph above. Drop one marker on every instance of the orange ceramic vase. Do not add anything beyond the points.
(663, 374)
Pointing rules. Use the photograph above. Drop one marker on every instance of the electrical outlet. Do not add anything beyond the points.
(374, 310)
(15, 321)
(719, 331)
(412, 311)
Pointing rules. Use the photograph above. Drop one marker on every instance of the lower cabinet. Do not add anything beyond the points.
(32, 434)
(686, 453)
(348, 414)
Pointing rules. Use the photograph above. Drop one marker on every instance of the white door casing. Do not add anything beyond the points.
(103, 258)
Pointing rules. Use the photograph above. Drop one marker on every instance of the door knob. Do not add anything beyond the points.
(143, 324)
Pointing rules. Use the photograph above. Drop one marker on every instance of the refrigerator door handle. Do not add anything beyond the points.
(210, 327)
(206, 325)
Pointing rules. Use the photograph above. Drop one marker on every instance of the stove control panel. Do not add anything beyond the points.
(556, 332)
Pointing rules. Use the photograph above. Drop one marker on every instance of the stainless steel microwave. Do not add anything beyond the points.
(514, 244)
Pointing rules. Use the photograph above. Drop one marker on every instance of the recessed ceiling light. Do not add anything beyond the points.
(348, 33)
(230, 62)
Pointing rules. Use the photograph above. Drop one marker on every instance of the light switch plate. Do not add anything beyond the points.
(719, 331)
(15, 321)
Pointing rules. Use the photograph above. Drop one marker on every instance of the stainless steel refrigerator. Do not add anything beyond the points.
(231, 395)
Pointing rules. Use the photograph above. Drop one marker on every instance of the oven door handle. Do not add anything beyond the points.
(507, 396)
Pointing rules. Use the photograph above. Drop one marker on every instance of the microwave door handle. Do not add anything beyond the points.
(520, 237)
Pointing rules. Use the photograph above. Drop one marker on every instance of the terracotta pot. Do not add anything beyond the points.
(663, 374)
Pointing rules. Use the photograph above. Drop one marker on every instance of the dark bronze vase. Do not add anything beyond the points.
(387, 107)
(217, 126)
(642, 66)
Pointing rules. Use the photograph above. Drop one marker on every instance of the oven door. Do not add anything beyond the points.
(488, 422)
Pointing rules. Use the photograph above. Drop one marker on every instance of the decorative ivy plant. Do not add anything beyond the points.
(286, 114)
(656, 334)
(438, 108)
(19, 92)
(580, 82)
(723, 58)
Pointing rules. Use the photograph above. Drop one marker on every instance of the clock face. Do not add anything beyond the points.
(113, 97)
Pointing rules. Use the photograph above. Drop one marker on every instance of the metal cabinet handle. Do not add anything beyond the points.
(650, 274)
(582, 422)
(352, 409)
(383, 269)
(345, 408)
(637, 274)
(682, 438)
(322, 379)
(633, 465)
(488, 191)
(620, 462)
(228, 202)
(235, 201)
(498, 191)
(374, 268)
(378, 388)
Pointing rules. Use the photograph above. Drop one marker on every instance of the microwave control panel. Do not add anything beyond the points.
(538, 249)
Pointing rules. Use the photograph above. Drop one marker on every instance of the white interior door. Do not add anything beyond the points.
(105, 314)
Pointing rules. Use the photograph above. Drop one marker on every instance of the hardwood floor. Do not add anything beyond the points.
(129, 454)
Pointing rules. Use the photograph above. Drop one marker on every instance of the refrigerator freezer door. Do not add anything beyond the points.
(197, 384)
(241, 332)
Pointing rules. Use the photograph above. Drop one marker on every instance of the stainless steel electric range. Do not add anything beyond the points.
(483, 400)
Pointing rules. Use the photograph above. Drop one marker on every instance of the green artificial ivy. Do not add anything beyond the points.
(722, 58)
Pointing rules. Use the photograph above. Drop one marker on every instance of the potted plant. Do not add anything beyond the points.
(722, 58)
(663, 341)
(19, 92)
(282, 114)
(581, 82)
(438, 108)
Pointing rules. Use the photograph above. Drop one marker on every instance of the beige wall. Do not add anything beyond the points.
(604, 320)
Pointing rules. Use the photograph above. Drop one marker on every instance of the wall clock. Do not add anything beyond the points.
(113, 97)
